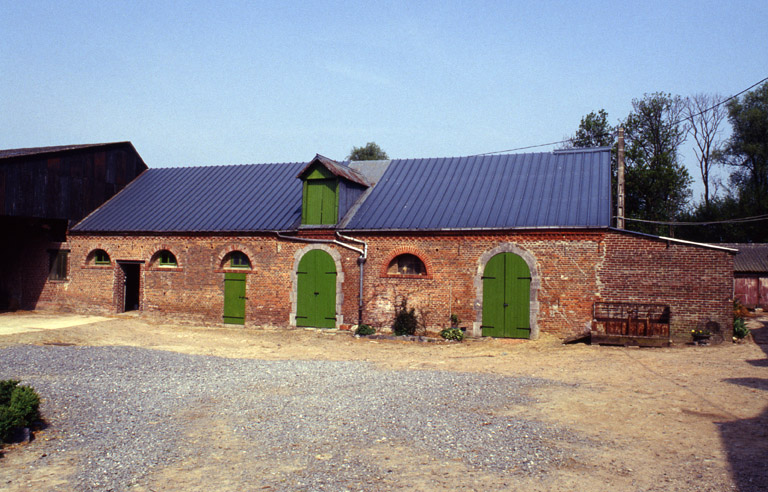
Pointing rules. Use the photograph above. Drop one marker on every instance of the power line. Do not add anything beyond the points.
(723, 101)
(614, 133)
(527, 147)
(742, 220)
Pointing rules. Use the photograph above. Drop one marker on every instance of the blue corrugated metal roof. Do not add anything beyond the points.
(559, 189)
(204, 199)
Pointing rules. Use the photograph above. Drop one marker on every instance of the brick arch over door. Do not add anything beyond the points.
(530, 260)
(336, 256)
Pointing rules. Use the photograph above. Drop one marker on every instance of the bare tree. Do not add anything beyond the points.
(705, 113)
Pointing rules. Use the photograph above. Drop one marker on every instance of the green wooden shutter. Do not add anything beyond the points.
(316, 290)
(517, 295)
(493, 297)
(506, 297)
(305, 299)
(329, 201)
(234, 298)
(320, 203)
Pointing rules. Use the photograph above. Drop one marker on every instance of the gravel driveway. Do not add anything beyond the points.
(127, 412)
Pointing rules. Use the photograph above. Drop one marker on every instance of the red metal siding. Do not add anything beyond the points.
(745, 290)
(751, 291)
(762, 300)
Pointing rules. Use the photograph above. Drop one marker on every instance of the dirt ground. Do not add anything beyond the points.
(686, 418)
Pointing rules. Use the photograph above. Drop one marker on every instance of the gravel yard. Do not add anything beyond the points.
(142, 406)
(122, 408)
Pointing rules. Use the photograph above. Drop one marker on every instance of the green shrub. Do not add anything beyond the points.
(6, 388)
(452, 334)
(364, 330)
(740, 329)
(455, 320)
(405, 322)
(18, 407)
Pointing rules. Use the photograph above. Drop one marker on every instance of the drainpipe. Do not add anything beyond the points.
(620, 183)
(360, 261)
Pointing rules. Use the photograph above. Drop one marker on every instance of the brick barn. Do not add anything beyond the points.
(514, 245)
(44, 191)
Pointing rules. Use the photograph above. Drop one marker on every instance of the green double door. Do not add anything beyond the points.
(234, 298)
(316, 290)
(506, 297)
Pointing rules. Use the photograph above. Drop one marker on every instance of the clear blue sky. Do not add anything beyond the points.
(203, 83)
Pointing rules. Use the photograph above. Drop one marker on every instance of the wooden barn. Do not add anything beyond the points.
(750, 274)
(44, 191)
(514, 245)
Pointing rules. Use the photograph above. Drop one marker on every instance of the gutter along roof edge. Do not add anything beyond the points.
(483, 229)
(180, 233)
(675, 240)
(272, 231)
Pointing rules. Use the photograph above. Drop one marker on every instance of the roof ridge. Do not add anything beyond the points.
(245, 164)
(50, 149)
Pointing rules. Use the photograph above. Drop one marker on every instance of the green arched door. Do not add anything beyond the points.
(316, 290)
(506, 297)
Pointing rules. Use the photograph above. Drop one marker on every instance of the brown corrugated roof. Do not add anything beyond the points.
(337, 170)
(752, 257)
(10, 153)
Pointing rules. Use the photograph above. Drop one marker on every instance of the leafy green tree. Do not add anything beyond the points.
(747, 154)
(658, 186)
(369, 152)
(713, 229)
(594, 131)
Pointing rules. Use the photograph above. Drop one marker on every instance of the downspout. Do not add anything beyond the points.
(360, 261)
(620, 212)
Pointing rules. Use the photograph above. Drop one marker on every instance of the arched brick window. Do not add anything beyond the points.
(165, 259)
(99, 257)
(406, 264)
(237, 260)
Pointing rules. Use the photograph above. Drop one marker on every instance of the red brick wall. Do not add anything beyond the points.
(51, 292)
(194, 290)
(571, 270)
(696, 282)
(564, 264)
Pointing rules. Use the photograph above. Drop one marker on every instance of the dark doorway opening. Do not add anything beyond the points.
(131, 283)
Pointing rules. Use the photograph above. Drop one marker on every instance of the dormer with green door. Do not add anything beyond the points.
(329, 191)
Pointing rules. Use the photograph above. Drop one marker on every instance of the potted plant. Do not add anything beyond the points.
(701, 336)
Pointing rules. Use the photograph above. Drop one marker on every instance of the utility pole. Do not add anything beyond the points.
(620, 180)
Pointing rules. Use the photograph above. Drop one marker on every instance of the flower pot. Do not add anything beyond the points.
(701, 339)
